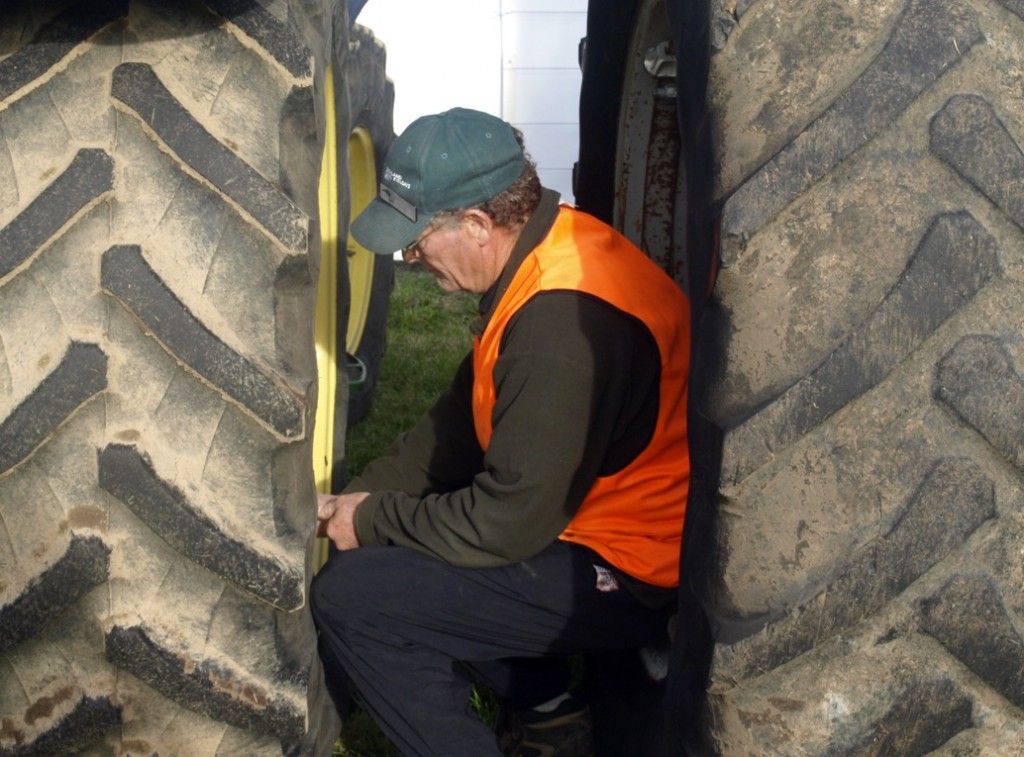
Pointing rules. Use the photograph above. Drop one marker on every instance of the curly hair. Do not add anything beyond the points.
(512, 207)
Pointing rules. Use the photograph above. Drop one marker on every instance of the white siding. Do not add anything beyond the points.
(516, 59)
(541, 82)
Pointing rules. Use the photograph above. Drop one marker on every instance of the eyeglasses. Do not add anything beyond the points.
(410, 249)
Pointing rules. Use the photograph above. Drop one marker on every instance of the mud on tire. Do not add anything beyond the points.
(854, 175)
(864, 579)
(158, 253)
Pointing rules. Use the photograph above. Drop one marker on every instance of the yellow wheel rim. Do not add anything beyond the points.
(362, 174)
(326, 325)
(330, 365)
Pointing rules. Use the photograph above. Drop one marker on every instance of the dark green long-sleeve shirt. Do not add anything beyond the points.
(576, 397)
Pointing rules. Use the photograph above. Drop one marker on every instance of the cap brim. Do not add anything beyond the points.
(383, 230)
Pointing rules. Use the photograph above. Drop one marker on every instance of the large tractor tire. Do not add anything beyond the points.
(855, 529)
(370, 277)
(159, 253)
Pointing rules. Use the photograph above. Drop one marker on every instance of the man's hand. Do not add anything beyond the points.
(335, 516)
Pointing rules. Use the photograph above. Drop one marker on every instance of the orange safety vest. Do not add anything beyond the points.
(632, 518)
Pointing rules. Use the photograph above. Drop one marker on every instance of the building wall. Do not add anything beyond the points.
(541, 81)
(517, 59)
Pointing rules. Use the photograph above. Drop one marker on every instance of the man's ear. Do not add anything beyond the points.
(479, 226)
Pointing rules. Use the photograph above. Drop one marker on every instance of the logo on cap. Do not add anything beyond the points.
(390, 175)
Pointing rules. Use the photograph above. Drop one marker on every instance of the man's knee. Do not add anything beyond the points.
(357, 584)
(318, 592)
(336, 589)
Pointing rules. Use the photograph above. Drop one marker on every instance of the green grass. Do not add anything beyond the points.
(428, 335)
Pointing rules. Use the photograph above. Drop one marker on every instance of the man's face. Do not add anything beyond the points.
(451, 256)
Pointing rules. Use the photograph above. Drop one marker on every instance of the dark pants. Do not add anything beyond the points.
(399, 626)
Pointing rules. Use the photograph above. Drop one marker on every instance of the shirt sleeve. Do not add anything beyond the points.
(574, 386)
(440, 453)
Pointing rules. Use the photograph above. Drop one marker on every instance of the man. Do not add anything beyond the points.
(536, 510)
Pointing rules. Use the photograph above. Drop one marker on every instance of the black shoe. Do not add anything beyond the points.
(566, 731)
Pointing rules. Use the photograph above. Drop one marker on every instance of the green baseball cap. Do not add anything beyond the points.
(447, 161)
